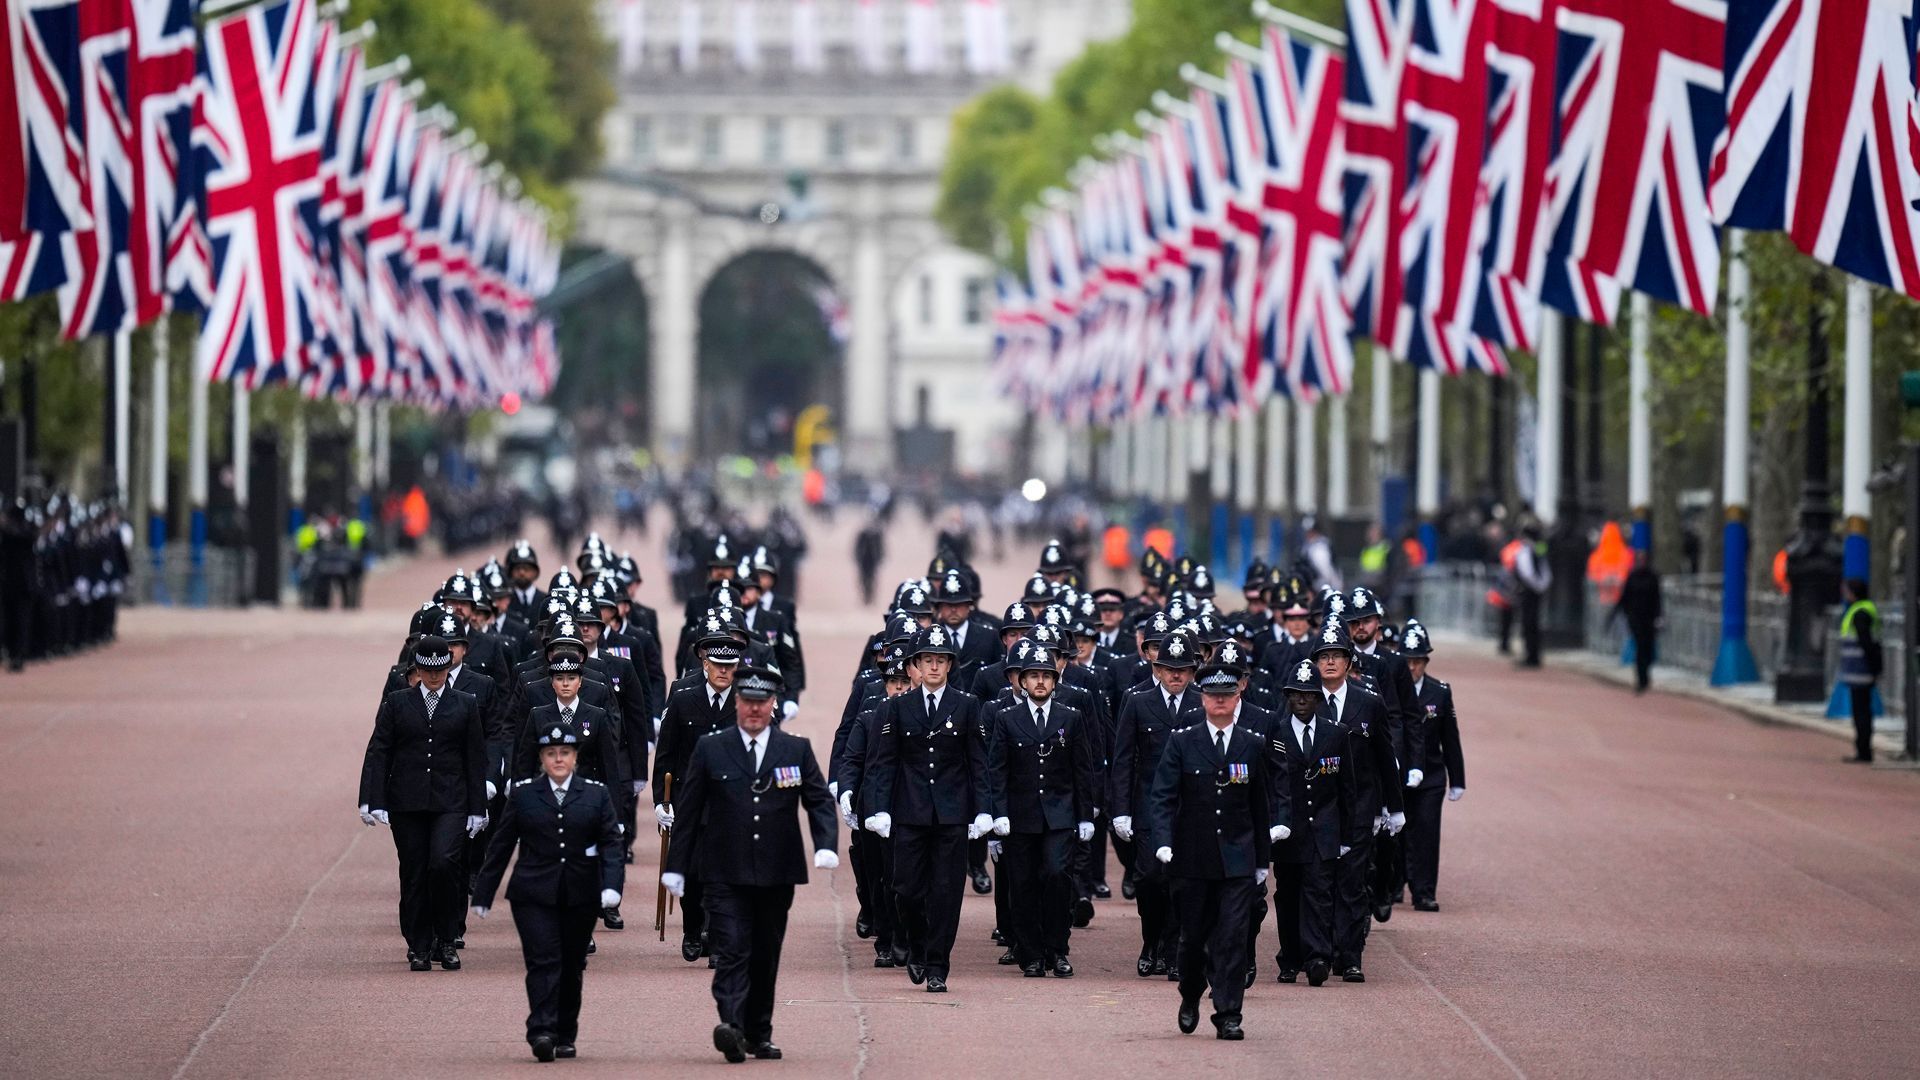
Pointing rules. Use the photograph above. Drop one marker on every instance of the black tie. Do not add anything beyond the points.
(1333, 706)
(1039, 719)
(1306, 737)
(753, 754)
(1220, 744)
(930, 703)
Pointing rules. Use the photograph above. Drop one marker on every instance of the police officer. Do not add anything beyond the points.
(1376, 781)
(930, 787)
(561, 881)
(694, 712)
(872, 856)
(1324, 811)
(1211, 820)
(425, 777)
(1384, 671)
(523, 575)
(1442, 766)
(1148, 718)
(1042, 766)
(738, 834)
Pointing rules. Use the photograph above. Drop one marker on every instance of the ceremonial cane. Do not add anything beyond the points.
(660, 899)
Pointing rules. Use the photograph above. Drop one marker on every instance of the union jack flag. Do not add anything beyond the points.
(137, 63)
(384, 236)
(1818, 138)
(1214, 379)
(1639, 86)
(1379, 36)
(1520, 56)
(257, 138)
(1305, 328)
(43, 155)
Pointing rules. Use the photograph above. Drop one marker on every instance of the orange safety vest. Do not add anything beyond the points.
(415, 517)
(1160, 539)
(1415, 552)
(1780, 571)
(814, 487)
(1609, 564)
(1116, 546)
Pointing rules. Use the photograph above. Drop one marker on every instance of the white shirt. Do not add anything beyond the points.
(444, 687)
(718, 698)
(1300, 731)
(1417, 684)
(560, 790)
(959, 636)
(1339, 699)
(756, 746)
(567, 708)
(935, 695)
(1107, 638)
(766, 601)
(1172, 700)
(1213, 735)
(1041, 723)
(1369, 649)
(525, 595)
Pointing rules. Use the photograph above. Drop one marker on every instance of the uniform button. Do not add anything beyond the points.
(756, 798)
(563, 847)
(1216, 832)
(1216, 810)
(756, 817)
(756, 836)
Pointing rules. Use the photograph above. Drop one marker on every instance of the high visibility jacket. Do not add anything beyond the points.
(1161, 540)
(1373, 558)
(1116, 547)
(306, 538)
(1854, 667)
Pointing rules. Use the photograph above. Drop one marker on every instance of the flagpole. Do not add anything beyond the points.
(1283, 17)
(1734, 662)
(1338, 452)
(196, 486)
(1640, 424)
(1856, 462)
(1220, 466)
(1246, 464)
(1277, 409)
(1427, 478)
(157, 464)
(1380, 425)
(363, 459)
(297, 470)
(122, 415)
(1306, 499)
(1546, 432)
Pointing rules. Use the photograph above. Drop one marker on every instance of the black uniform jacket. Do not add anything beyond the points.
(777, 629)
(1438, 758)
(600, 754)
(981, 648)
(1377, 779)
(1385, 673)
(1213, 811)
(437, 765)
(852, 773)
(1140, 735)
(1323, 808)
(568, 851)
(930, 771)
(690, 716)
(868, 693)
(736, 826)
(1041, 780)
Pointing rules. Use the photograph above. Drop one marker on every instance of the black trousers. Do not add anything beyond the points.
(1094, 870)
(553, 941)
(976, 855)
(1861, 697)
(748, 924)
(693, 911)
(1303, 911)
(873, 882)
(433, 876)
(1643, 652)
(1421, 839)
(1213, 939)
(1352, 904)
(1159, 929)
(1506, 627)
(1035, 865)
(1389, 867)
(929, 875)
(1530, 625)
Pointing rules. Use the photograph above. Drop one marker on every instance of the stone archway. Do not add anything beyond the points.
(768, 348)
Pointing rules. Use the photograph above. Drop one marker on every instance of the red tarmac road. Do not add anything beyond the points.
(1631, 887)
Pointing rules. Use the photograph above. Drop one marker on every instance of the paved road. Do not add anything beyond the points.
(1632, 886)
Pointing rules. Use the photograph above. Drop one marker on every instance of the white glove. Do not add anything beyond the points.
(1454, 793)
(1164, 854)
(491, 791)
(846, 811)
(788, 709)
(366, 816)
(480, 911)
(663, 815)
(1414, 776)
(1086, 830)
(826, 859)
(1279, 833)
(609, 898)
(880, 825)
(381, 817)
(1343, 850)
(993, 850)
(676, 884)
(475, 822)
(1396, 822)
(833, 788)
(1002, 826)
(1123, 828)
(982, 825)
(638, 787)
(1260, 876)
(1379, 822)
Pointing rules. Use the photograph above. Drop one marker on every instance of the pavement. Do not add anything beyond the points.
(1642, 886)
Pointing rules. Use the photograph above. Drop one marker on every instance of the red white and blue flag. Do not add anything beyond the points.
(1520, 55)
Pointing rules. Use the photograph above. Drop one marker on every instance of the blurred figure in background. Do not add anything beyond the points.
(1640, 605)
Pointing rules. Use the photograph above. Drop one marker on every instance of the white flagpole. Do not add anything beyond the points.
(1856, 462)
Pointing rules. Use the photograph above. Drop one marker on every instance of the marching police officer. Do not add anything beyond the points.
(1442, 767)
(1326, 822)
(1376, 781)
(872, 856)
(737, 833)
(425, 777)
(561, 882)
(930, 787)
(1148, 718)
(1211, 819)
(694, 712)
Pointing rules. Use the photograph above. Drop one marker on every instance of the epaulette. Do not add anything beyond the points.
(1438, 683)
(523, 783)
(595, 783)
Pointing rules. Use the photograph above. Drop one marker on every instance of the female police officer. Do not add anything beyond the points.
(560, 883)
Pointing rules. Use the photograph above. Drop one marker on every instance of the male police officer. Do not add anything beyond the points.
(1324, 810)
(1148, 718)
(1442, 766)
(738, 834)
(694, 712)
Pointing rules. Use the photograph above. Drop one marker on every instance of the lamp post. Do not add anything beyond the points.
(1813, 555)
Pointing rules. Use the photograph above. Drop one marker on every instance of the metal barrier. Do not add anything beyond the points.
(225, 579)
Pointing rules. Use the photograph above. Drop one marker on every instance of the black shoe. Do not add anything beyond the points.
(1382, 912)
(706, 944)
(610, 918)
(916, 973)
(883, 960)
(447, 957)
(592, 946)
(1288, 975)
(936, 984)
(1101, 892)
(899, 956)
(1189, 1015)
(1126, 887)
(999, 938)
(418, 961)
(712, 962)
(1062, 969)
(1159, 966)
(1353, 975)
(565, 1050)
(1082, 913)
(1425, 905)
(543, 1049)
(1009, 958)
(1317, 972)
(982, 884)
(765, 1051)
(1253, 972)
(1228, 1029)
(1173, 973)
(728, 1040)
(1144, 968)
(459, 943)
(689, 949)
(1033, 969)
(863, 927)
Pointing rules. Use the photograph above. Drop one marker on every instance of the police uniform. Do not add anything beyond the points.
(1376, 778)
(872, 855)
(1210, 824)
(737, 832)
(569, 868)
(1443, 775)
(1148, 718)
(1326, 820)
(425, 775)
